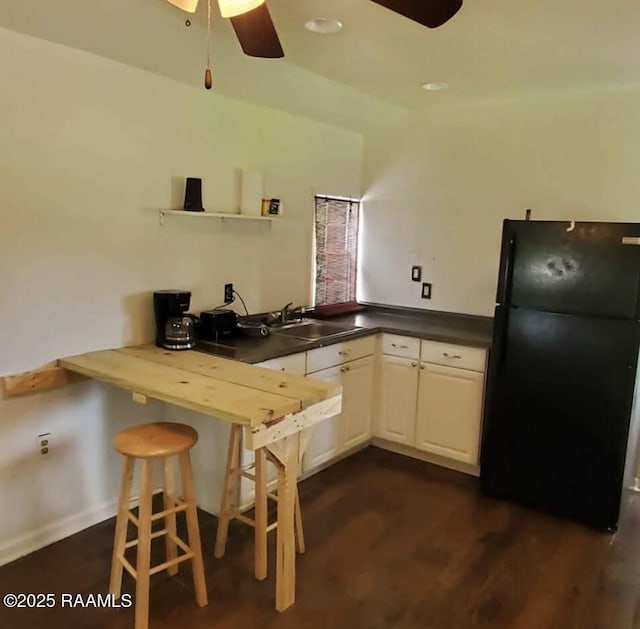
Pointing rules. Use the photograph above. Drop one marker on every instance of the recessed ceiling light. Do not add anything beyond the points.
(435, 87)
(323, 25)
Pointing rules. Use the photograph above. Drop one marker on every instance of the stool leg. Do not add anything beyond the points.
(144, 547)
(193, 530)
(300, 546)
(260, 515)
(229, 490)
(122, 520)
(170, 520)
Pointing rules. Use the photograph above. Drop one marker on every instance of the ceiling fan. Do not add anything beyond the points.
(252, 23)
(431, 13)
(257, 35)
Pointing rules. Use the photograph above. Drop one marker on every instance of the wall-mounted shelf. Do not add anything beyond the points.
(221, 215)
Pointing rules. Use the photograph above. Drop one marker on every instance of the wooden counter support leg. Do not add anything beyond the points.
(300, 546)
(231, 488)
(286, 451)
(304, 436)
(260, 515)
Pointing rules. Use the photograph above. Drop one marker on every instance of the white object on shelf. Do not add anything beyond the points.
(251, 192)
(221, 215)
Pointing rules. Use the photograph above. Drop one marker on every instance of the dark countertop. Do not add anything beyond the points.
(436, 326)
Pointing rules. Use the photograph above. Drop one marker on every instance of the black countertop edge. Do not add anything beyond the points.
(458, 329)
(424, 312)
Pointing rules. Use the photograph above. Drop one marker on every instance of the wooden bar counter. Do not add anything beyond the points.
(275, 409)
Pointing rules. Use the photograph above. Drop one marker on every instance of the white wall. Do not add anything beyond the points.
(438, 188)
(90, 149)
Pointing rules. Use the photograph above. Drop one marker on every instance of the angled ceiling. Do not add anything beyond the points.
(490, 49)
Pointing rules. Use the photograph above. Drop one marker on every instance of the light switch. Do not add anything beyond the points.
(416, 273)
(426, 290)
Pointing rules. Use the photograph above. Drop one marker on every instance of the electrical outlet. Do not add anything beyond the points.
(44, 443)
(426, 290)
(416, 273)
(228, 293)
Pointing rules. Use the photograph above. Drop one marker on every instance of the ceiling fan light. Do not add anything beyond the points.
(435, 86)
(186, 5)
(323, 25)
(233, 8)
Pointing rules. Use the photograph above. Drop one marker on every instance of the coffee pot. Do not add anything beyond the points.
(174, 328)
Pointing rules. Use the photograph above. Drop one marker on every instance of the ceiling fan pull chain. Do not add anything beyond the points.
(208, 76)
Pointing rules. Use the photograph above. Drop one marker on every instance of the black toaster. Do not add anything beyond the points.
(217, 324)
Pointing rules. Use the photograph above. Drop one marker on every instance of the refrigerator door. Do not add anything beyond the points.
(582, 268)
(557, 415)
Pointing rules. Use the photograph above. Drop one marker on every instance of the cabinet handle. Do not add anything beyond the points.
(414, 364)
(422, 365)
(399, 346)
(343, 369)
(344, 352)
(451, 355)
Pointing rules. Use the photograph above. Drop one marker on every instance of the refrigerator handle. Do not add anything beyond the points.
(504, 296)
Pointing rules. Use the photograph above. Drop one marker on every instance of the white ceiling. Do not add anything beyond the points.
(490, 49)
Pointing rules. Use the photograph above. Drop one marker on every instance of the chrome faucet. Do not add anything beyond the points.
(284, 313)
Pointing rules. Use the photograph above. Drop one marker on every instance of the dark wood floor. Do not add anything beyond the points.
(391, 542)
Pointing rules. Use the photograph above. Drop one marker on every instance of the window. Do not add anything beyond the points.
(336, 249)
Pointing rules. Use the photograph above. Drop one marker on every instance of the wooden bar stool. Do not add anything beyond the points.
(150, 442)
(229, 509)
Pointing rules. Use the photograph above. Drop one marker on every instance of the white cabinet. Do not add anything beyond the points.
(396, 419)
(352, 427)
(325, 436)
(433, 404)
(357, 402)
(295, 365)
(339, 353)
(449, 412)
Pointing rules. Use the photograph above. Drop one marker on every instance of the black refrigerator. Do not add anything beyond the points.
(562, 369)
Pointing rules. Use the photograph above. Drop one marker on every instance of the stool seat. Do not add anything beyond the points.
(157, 439)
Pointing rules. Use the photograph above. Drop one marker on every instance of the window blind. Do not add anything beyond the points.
(336, 247)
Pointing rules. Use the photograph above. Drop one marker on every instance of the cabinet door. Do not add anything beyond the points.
(293, 364)
(449, 412)
(357, 401)
(325, 436)
(397, 396)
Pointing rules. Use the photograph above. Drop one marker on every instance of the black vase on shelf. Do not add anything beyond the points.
(193, 195)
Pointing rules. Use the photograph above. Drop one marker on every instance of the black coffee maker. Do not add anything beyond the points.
(174, 328)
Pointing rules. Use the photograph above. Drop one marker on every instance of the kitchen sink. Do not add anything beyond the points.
(312, 330)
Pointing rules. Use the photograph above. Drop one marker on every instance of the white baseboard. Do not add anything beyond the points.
(398, 448)
(330, 462)
(55, 531)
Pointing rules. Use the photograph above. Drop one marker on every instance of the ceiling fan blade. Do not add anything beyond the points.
(431, 13)
(257, 34)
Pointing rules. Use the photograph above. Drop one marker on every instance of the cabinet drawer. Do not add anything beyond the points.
(293, 364)
(403, 346)
(473, 358)
(339, 353)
